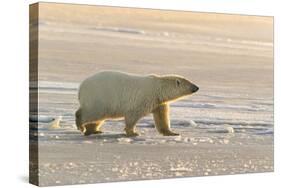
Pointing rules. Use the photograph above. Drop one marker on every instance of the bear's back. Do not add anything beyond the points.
(112, 79)
(112, 86)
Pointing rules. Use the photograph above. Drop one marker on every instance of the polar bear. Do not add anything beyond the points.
(115, 95)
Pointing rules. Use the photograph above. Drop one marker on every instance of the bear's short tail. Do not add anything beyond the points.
(78, 118)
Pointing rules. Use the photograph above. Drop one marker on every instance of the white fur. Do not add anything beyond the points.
(111, 95)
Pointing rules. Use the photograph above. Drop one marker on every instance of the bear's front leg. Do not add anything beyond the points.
(162, 121)
(130, 128)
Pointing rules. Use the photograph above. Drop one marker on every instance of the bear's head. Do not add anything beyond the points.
(174, 87)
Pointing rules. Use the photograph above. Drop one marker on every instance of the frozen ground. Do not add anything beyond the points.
(226, 128)
(216, 138)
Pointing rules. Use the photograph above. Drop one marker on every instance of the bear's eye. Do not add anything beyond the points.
(178, 82)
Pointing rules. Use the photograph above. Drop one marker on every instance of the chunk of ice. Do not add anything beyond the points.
(124, 140)
(192, 123)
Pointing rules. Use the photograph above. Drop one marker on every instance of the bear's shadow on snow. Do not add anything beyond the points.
(113, 137)
(108, 136)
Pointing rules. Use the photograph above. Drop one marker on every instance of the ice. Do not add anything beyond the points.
(124, 140)
(56, 123)
(225, 129)
(192, 123)
(41, 118)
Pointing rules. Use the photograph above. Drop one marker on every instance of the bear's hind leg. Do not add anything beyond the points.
(78, 119)
(162, 121)
(92, 128)
(131, 126)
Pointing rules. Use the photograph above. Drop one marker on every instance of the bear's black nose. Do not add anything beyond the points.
(194, 88)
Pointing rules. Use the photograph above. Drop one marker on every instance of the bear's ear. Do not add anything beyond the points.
(178, 82)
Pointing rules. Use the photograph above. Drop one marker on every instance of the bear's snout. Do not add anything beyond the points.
(194, 88)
